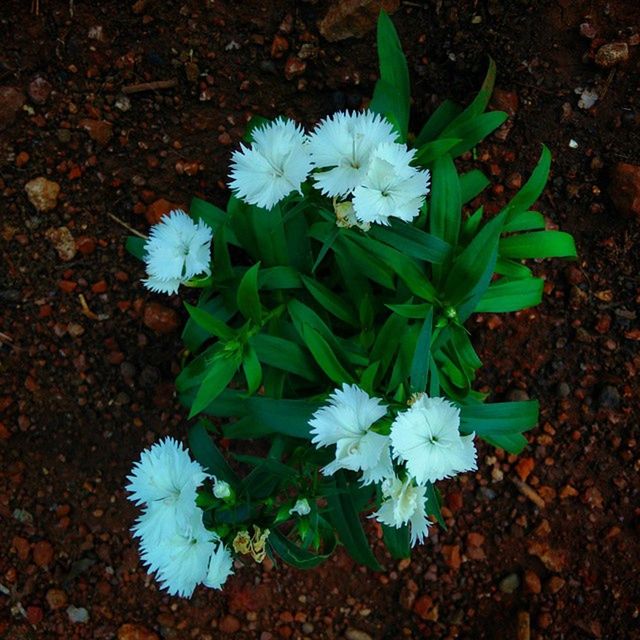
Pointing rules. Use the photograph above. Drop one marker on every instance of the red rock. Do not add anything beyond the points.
(85, 245)
(524, 467)
(555, 584)
(99, 130)
(56, 599)
(532, 582)
(506, 101)
(35, 614)
(67, 286)
(22, 159)
(612, 54)
(39, 90)
(553, 559)
(279, 46)
(451, 555)
(11, 101)
(136, 632)
(294, 67)
(5, 434)
(22, 547)
(43, 553)
(624, 188)
(454, 501)
(424, 608)
(568, 492)
(353, 18)
(159, 208)
(42, 193)
(229, 624)
(99, 287)
(475, 539)
(225, 139)
(159, 318)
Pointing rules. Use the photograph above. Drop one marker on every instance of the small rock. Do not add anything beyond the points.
(356, 634)
(62, 242)
(135, 632)
(39, 90)
(555, 584)
(609, 397)
(229, 624)
(353, 18)
(22, 547)
(587, 30)
(279, 46)
(42, 193)
(425, 609)
(506, 101)
(43, 553)
(34, 614)
(159, 208)
(524, 467)
(532, 582)
(77, 615)
(451, 554)
(99, 130)
(593, 498)
(553, 559)
(56, 599)
(192, 71)
(122, 103)
(11, 101)
(510, 583)
(612, 54)
(159, 318)
(294, 67)
(22, 159)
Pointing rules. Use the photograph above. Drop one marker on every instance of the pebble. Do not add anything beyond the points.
(611, 54)
(356, 634)
(294, 67)
(42, 193)
(424, 608)
(229, 624)
(609, 397)
(353, 18)
(77, 615)
(159, 318)
(56, 599)
(35, 614)
(510, 583)
(99, 130)
(39, 90)
(43, 553)
(157, 209)
(553, 559)
(506, 101)
(555, 584)
(624, 188)
(131, 631)
(532, 582)
(63, 242)
(11, 101)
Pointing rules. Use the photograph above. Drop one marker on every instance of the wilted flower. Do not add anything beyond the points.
(427, 439)
(276, 163)
(346, 422)
(220, 569)
(342, 144)
(177, 250)
(404, 502)
(301, 507)
(221, 489)
(391, 186)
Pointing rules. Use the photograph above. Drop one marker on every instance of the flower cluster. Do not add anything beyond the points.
(174, 542)
(355, 158)
(424, 440)
(177, 250)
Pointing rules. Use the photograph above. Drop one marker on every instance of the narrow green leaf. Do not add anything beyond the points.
(212, 325)
(434, 378)
(505, 295)
(325, 357)
(278, 352)
(471, 132)
(212, 216)
(472, 184)
(252, 370)
(413, 311)
(538, 244)
(397, 541)
(434, 503)
(439, 119)
(248, 298)
(431, 151)
(446, 204)
(218, 376)
(525, 221)
(412, 241)
(499, 417)
(386, 344)
(512, 269)
(135, 246)
(295, 555)
(333, 303)
(208, 455)
(367, 379)
(279, 278)
(420, 362)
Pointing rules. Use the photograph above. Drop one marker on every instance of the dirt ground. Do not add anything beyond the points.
(88, 356)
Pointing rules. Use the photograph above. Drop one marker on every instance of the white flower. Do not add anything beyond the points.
(177, 249)
(301, 507)
(343, 143)
(276, 163)
(219, 567)
(165, 479)
(404, 502)
(346, 422)
(391, 187)
(221, 489)
(427, 438)
(181, 560)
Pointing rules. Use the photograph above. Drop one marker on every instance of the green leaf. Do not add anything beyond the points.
(434, 378)
(278, 352)
(364, 262)
(324, 356)
(212, 325)
(468, 268)
(412, 241)
(538, 244)
(472, 184)
(333, 303)
(439, 119)
(211, 215)
(394, 72)
(511, 442)
(248, 298)
(273, 278)
(218, 376)
(431, 151)
(412, 311)
(135, 246)
(480, 102)
(208, 455)
(434, 503)
(345, 518)
(193, 335)
(511, 295)
(255, 123)
(532, 189)
(367, 379)
(397, 541)
(295, 555)
(446, 204)
(525, 221)
(471, 132)
(512, 269)
(388, 103)
(386, 344)
(252, 369)
(420, 362)
(222, 268)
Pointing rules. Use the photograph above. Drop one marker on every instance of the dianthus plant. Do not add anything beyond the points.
(327, 366)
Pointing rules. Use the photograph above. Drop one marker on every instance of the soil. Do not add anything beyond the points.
(88, 356)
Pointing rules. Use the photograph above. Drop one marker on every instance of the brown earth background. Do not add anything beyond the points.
(88, 356)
